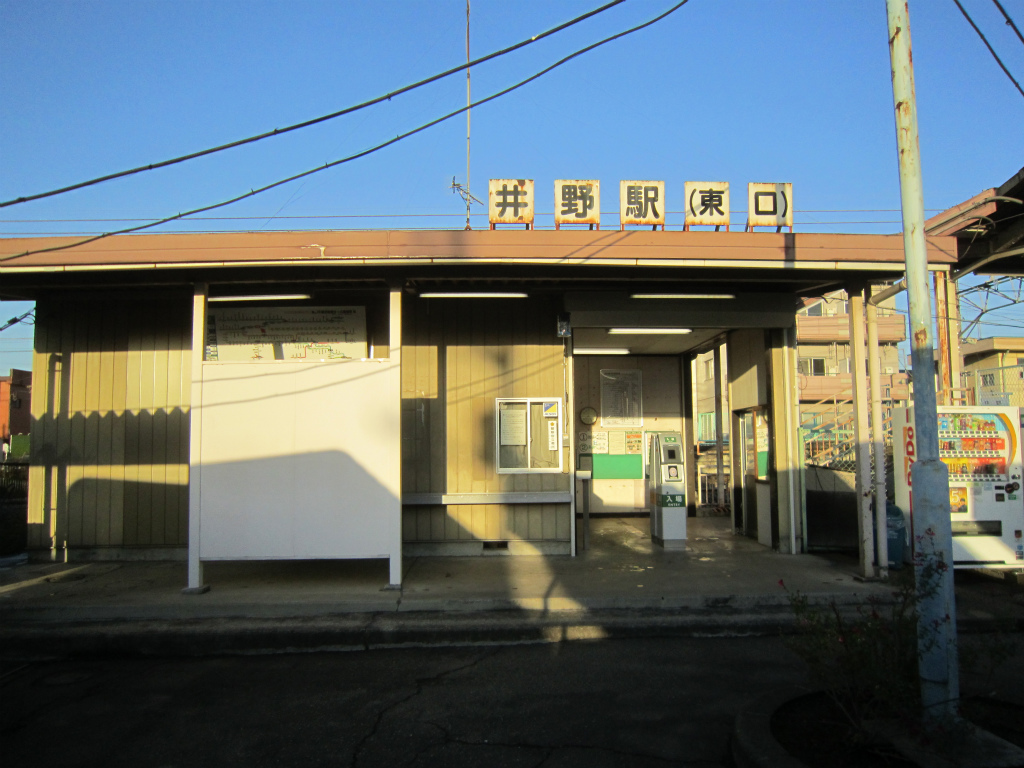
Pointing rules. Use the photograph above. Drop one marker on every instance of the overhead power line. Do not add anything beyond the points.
(315, 120)
(364, 153)
(407, 215)
(989, 46)
(1009, 21)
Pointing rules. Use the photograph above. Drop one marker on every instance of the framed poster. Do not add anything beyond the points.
(762, 444)
(289, 334)
(621, 398)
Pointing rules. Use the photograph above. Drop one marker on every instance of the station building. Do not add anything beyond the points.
(364, 394)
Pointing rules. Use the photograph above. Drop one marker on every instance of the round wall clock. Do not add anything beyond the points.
(588, 415)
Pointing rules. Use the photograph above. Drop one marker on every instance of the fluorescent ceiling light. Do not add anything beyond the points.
(473, 295)
(598, 351)
(683, 296)
(264, 297)
(649, 331)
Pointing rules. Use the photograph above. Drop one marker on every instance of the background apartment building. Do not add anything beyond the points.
(825, 381)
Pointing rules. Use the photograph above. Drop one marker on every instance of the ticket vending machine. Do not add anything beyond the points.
(667, 490)
(981, 447)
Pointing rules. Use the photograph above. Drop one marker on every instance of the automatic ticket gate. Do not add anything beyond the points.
(666, 490)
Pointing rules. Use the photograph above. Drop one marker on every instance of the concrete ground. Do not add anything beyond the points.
(623, 585)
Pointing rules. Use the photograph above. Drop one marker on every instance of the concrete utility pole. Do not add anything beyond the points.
(933, 563)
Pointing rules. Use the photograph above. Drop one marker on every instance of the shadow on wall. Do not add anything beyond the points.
(110, 479)
(317, 505)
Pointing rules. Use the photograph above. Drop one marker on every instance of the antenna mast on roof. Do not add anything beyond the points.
(463, 191)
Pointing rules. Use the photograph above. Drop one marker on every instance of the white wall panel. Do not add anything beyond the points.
(300, 461)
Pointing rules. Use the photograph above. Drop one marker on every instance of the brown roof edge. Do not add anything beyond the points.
(566, 247)
(994, 344)
(954, 219)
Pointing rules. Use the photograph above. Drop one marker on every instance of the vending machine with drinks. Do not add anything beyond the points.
(981, 447)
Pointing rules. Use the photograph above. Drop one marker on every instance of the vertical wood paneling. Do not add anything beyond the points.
(184, 429)
(147, 365)
(458, 357)
(110, 428)
(438, 407)
(47, 343)
(158, 411)
(118, 415)
(61, 511)
(132, 419)
(76, 445)
(174, 408)
(105, 418)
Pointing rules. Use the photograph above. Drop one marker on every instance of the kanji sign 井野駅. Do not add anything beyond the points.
(642, 202)
(510, 201)
(577, 201)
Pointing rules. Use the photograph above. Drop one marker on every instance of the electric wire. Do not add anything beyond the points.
(425, 215)
(364, 153)
(315, 120)
(989, 46)
(1009, 21)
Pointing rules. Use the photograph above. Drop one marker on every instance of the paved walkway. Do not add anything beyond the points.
(623, 585)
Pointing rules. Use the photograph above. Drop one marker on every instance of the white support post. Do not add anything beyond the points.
(861, 434)
(395, 353)
(878, 439)
(719, 442)
(795, 456)
(195, 565)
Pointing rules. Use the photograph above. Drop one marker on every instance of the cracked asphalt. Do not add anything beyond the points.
(637, 702)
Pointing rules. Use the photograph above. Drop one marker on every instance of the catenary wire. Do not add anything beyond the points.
(1009, 21)
(413, 215)
(364, 153)
(313, 121)
(989, 46)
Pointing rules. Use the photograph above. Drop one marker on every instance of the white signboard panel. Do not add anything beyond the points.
(617, 443)
(513, 426)
(621, 399)
(301, 464)
(707, 203)
(642, 202)
(769, 205)
(577, 201)
(292, 334)
(510, 201)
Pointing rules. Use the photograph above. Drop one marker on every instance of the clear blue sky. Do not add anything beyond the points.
(731, 90)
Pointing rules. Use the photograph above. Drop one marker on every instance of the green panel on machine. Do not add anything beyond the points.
(618, 467)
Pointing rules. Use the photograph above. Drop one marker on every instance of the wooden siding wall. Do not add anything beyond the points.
(110, 433)
(458, 355)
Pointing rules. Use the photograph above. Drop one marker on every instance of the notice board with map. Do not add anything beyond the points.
(291, 334)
